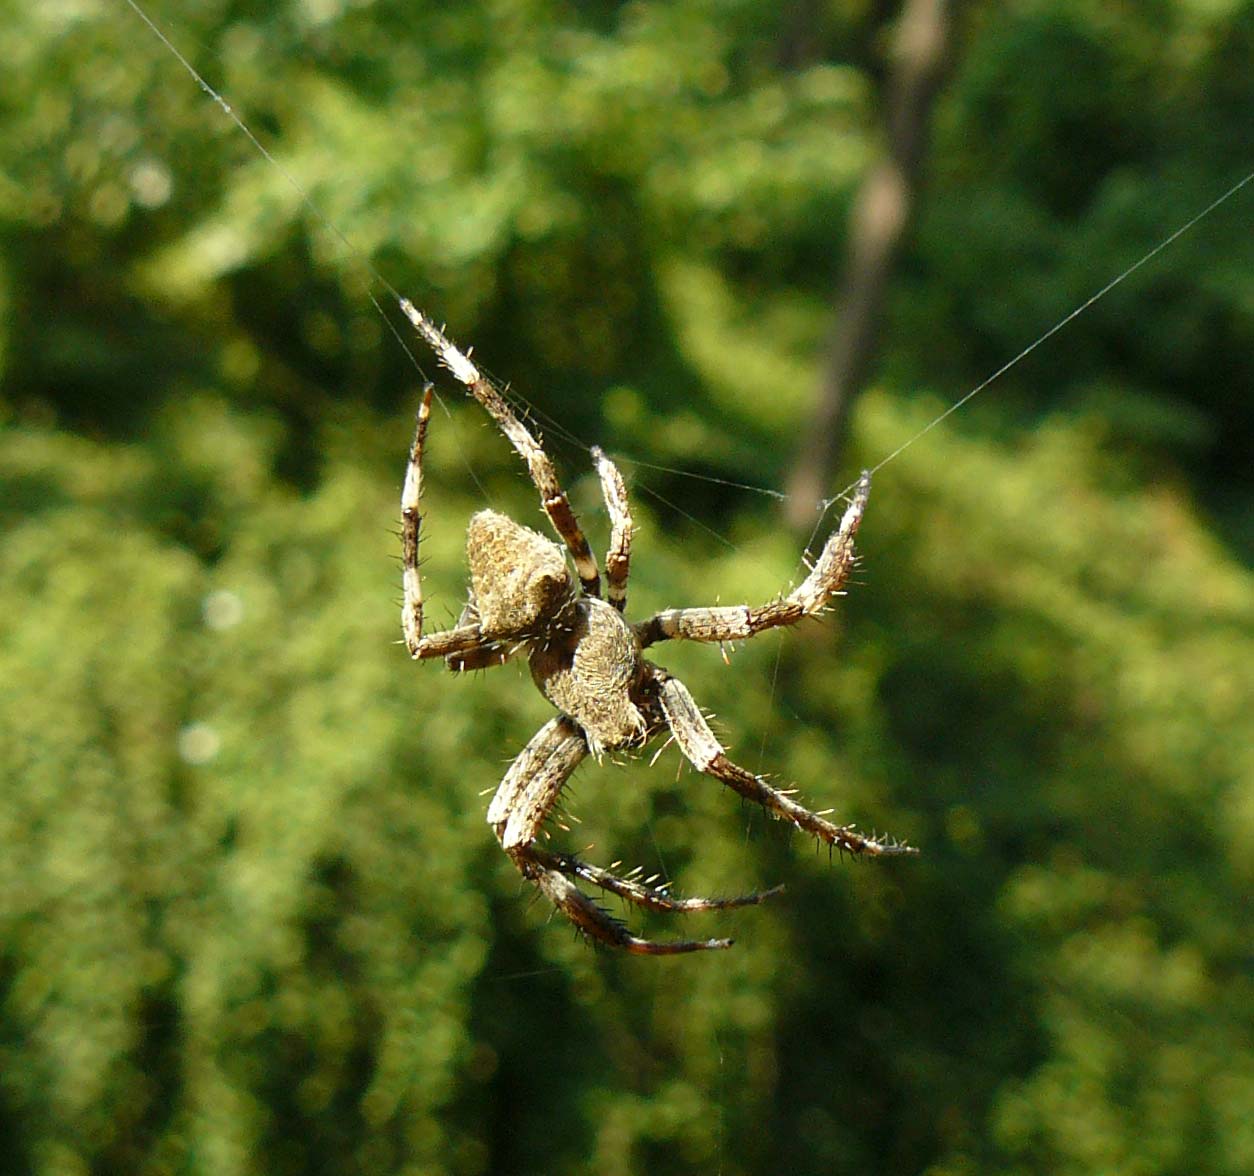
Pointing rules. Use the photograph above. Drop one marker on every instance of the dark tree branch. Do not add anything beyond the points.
(876, 229)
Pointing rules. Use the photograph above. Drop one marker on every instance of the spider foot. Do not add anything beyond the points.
(641, 893)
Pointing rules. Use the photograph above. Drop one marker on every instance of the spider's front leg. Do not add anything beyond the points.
(808, 599)
(518, 810)
(552, 497)
(618, 558)
(706, 754)
(464, 645)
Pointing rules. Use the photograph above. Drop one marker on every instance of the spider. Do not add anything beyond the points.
(587, 660)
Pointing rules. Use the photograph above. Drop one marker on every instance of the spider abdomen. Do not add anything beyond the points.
(589, 671)
(519, 580)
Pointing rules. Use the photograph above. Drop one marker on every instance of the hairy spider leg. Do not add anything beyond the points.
(411, 530)
(464, 642)
(517, 812)
(643, 895)
(706, 754)
(738, 622)
(539, 466)
(618, 557)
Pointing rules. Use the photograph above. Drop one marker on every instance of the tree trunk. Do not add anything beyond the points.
(877, 226)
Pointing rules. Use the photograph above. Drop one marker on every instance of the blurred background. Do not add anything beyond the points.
(251, 918)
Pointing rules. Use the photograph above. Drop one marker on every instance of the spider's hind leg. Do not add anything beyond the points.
(518, 810)
(643, 895)
(706, 754)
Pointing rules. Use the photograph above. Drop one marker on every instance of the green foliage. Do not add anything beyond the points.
(251, 920)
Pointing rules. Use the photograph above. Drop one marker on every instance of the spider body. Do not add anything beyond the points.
(584, 657)
(589, 662)
(594, 672)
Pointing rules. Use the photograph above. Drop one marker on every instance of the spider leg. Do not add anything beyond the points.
(618, 558)
(465, 641)
(523, 800)
(477, 657)
(643, 895)
(483, 656)
(738, 622)
(706, 754)
(539, 465)
(411, 529)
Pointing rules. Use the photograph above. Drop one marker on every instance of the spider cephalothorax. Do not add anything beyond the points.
(588, 661)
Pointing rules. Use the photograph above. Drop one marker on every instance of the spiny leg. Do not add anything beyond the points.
(738, 622)
(464, 640)
(534, 781)
(480, 657)
(411, 528)
(597, 923)
(618, 558)
(522, 802)
(706, 754)
(484, 656)
(552, 496)
(642, 894)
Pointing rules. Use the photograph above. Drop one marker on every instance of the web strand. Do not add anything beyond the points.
(306, 200)
(556, 427)
(1148, 256)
